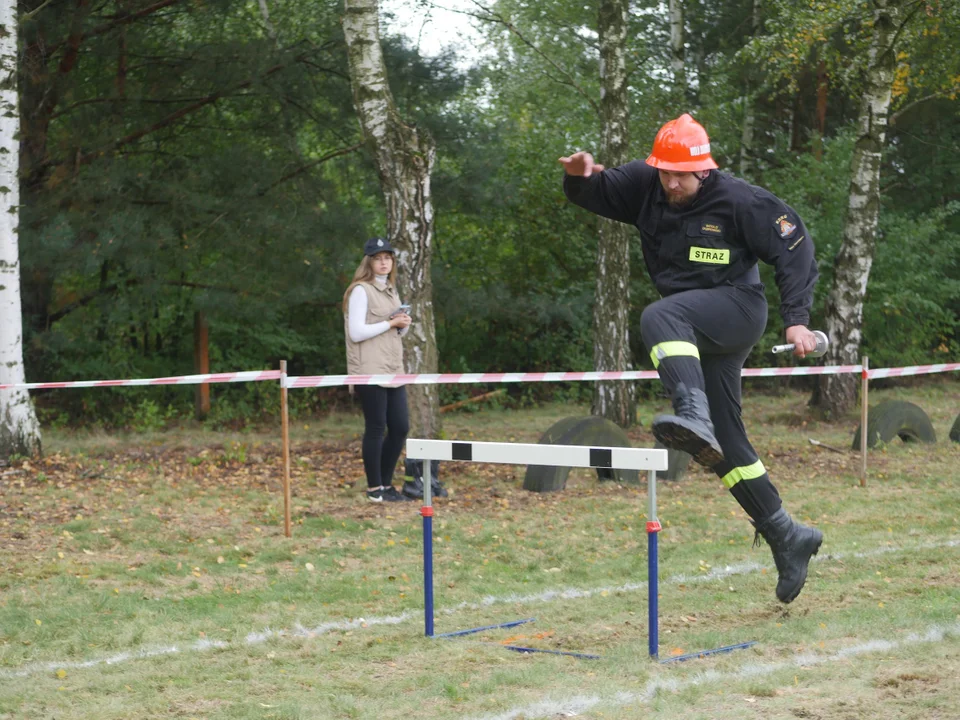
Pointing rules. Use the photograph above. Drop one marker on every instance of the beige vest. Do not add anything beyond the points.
(383, 354)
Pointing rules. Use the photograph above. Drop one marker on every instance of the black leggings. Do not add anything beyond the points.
(707, 335)
(384, 410)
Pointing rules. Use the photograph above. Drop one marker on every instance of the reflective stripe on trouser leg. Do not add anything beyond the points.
(673, 348)
(745, 472)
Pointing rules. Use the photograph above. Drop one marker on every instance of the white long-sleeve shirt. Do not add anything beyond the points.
(360, 330)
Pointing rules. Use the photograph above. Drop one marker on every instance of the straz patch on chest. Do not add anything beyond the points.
(713, 256)
(711, 229)
(784, 226)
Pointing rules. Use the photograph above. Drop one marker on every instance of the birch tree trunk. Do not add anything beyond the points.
(19, 429)
(404, 157)
(844, 307)
(614, 400)
(677, 55)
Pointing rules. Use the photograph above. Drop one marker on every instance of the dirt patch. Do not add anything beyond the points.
(906, 685)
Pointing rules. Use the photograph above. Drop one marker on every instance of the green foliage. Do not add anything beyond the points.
(912, 311)
(235, 452)
(147, 416)
(817, 190)
(222, 173)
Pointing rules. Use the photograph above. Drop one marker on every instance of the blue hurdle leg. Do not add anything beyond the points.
(653, 585)
(427, 512)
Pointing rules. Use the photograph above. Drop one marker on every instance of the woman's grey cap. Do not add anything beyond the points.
(378, 245)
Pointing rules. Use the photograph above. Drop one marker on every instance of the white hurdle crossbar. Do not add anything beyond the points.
(583, 456)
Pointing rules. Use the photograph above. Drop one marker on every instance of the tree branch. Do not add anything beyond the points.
(312, 163)
(896, 36)
(110, 289)
(492, 16)
(114, 100)
(87, 158)
(265, 14)
(909, 106)
(118, 20)
(321, 68)
(28, 16)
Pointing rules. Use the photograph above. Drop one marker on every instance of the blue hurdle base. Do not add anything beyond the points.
(582, 656)
(471, 631)
(515, 648)
(705, 653)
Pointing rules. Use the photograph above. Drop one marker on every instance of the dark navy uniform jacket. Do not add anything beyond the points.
(715, 240)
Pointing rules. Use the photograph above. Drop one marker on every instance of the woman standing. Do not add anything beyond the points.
(374, 323)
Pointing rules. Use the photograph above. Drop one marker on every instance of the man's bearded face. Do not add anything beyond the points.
(681, 187)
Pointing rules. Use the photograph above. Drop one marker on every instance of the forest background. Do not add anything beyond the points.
(199, 164)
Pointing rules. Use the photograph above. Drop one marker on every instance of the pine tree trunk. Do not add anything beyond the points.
(822, 93)
(746, 136)
(749, 108)
(19, 429)
(613, 400)
(404, 158)
(844, 307)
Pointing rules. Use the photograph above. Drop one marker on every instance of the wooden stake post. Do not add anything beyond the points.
(201, 362)
(285, 425)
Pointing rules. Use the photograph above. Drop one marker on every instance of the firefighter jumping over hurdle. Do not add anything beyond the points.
(702, 232)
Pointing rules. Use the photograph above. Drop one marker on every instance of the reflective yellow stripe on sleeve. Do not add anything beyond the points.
(747, 472)
(673, 348)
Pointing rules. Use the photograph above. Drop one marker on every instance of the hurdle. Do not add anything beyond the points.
(581, 456)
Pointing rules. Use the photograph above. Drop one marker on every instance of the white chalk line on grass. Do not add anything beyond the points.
(254, 638)
(681, 579)
(299, 631)
(121, 657)
(577, 704)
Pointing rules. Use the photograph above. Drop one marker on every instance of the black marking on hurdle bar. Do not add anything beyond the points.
(601, 457)
(462, 451)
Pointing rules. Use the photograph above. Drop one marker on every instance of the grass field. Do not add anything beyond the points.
(148, 577)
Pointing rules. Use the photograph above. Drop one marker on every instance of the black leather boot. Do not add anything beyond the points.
(793, 545)
(690, 429)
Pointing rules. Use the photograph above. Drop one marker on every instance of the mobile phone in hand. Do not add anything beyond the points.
(402, 309)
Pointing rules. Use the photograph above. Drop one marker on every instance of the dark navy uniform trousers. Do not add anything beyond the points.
(702, 338)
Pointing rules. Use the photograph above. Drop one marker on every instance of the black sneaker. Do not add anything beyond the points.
(413, 489)
(390, 494)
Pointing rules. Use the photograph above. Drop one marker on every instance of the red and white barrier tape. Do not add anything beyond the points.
(246, 376)
(457, 378)
(912, 370)
(307, 381)
(814, 370)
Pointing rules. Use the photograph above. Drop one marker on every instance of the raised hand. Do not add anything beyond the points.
(580, 164)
